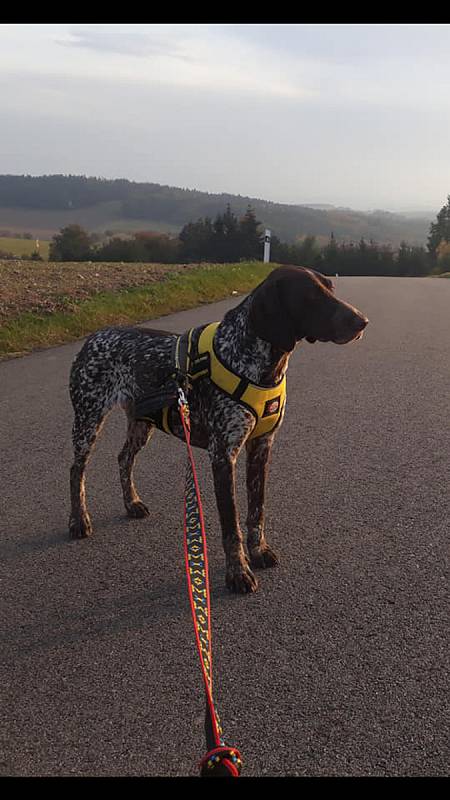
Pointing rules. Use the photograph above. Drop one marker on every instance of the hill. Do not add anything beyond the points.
(44, 204)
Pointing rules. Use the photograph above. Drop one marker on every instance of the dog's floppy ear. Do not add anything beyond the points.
(269, 318)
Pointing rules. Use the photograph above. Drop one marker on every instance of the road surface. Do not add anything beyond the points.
(337, 666)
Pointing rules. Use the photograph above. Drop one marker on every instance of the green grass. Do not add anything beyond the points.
(206, 283)
(23, 247)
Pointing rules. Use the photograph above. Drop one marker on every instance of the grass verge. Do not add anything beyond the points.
(206, 283)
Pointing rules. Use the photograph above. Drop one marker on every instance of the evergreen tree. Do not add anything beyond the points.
(439, 230)
(443, 257)
(218, 240)
(387, 264)
(329, 257)
(197, 240)
(231, 230)
(411, 261)
(250, 235)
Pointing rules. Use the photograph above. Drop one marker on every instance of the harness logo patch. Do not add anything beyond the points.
(272, 407)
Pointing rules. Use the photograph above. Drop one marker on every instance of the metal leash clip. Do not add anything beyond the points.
(182, 399)
(183, 407)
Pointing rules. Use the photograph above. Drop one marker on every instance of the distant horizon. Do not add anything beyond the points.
(412, 209)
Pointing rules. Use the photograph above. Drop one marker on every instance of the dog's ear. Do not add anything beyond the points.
(323, 280)
(269, 318)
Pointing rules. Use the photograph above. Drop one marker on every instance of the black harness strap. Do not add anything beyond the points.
(240, 389)
(149, 406)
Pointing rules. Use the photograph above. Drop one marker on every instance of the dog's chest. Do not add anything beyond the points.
(217, 415)
(215, 419)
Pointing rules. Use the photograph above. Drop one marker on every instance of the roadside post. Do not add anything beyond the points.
(267, 237)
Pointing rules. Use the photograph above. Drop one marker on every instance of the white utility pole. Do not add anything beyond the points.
(267, 236)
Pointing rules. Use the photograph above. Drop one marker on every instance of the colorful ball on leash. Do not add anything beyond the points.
(221, 762)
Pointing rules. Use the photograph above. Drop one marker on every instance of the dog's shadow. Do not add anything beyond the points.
(36, 542)
(105, 613)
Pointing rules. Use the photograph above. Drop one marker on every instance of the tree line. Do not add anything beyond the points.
(228, 238)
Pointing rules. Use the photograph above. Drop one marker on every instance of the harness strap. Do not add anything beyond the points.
(154, 406)
(193, 357)
(266, 403)
(221, 760)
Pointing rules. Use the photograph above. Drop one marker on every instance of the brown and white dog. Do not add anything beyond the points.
(254, 340)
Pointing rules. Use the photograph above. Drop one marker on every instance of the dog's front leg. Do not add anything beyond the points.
(239, 577)
(258, 455)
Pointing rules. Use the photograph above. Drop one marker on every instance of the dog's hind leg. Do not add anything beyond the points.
(138, 434)
(84, 433)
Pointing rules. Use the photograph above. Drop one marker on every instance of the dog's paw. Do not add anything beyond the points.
(240, 579)
(137, 510)
(80, 527)
(263, 557)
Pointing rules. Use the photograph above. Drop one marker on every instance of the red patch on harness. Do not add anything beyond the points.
(272, 407)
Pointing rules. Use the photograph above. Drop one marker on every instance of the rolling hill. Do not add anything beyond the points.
(42, 205)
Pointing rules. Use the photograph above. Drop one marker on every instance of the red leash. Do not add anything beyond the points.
(221, 760)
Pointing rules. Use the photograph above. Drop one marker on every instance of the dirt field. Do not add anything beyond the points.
(47, 287)
(46, 304)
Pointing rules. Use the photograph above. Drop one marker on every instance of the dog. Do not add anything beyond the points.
(124, 365)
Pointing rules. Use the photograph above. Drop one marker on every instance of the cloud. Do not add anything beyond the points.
(123, 42)
(342, 114)
(194, 56)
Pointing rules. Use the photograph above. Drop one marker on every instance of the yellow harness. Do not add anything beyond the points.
(265, 403)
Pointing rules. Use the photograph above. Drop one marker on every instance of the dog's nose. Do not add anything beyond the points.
(361, 322)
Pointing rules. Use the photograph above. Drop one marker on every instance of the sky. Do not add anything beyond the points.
(351, 115)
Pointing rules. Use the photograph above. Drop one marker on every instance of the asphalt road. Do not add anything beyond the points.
(338, 665)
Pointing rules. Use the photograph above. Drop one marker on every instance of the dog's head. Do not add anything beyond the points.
(296, 303)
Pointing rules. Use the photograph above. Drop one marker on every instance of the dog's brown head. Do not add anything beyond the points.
(296, 303)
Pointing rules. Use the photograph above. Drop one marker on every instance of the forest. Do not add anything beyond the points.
(229, 238)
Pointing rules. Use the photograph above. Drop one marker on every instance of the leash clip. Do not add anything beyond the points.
(182, 399)
(183, 407)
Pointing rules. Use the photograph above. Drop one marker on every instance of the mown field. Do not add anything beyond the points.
(23, 247)
(43, 304)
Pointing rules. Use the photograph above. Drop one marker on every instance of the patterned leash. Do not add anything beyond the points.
(221, 760)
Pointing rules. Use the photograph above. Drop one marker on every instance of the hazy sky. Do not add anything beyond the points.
(354, 115)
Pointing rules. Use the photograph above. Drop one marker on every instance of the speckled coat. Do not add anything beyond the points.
(119, 365)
